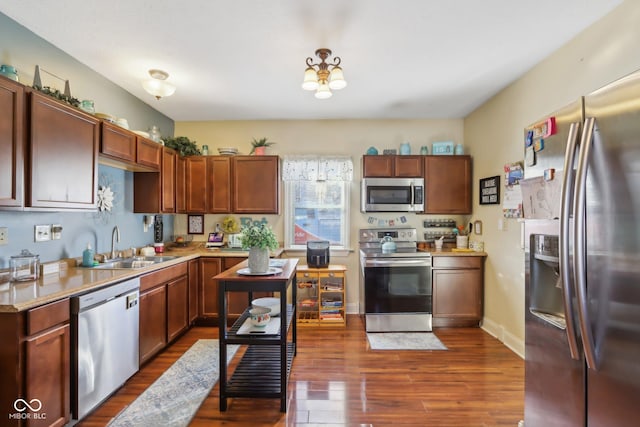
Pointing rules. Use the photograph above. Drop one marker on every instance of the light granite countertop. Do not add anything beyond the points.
(72, 280)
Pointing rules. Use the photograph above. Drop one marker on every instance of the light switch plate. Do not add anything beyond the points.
(4, 236)
(42, 233)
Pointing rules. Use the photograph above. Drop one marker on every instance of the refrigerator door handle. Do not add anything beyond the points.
(579, 243)
(565, 214)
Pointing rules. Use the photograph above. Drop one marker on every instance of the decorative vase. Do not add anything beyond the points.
(259, 151)
(405, 148)
(258, 260)
(9, 71)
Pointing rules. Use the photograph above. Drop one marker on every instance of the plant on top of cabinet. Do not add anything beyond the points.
(258, 146)
(183, 145)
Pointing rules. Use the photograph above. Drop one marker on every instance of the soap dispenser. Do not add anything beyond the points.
(87, 256)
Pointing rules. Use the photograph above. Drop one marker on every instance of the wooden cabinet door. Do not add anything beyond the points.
(219, 184)
(457, 294)
(148, 153)
(448, 184)
(377, 166)
(196, 184)
(177, 307)
(118, 143)
(168, 177)
(12, 143)
(63, 160)
(209, 267)
(48, 375)
(194, 280)
(408, 166)
(153, 322)
(181, 185)
(256, 184)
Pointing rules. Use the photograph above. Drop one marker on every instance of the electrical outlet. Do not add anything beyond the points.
(42, 233)
(56, 232)
(4, 236)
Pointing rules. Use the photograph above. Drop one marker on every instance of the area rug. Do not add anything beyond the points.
(404, 341)
(173, 399)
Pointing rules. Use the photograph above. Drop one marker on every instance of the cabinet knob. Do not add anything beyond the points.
(332, 274)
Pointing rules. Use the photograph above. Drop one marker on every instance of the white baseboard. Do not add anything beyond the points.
(352, 308)
(514, 343)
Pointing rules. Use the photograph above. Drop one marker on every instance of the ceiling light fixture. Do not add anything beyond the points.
(320, 78)
(157, 84)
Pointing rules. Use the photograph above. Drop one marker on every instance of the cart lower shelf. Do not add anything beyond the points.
(258, 374)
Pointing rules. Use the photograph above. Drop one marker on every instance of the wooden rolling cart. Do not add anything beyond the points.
(321, 296)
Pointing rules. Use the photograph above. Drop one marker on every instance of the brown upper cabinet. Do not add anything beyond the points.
(448, 184)
(390, 166)
(255, 184)
(12, 143)
(196, 184)
(219, 184)
(124, 149)
(155, 192)
(63, 156)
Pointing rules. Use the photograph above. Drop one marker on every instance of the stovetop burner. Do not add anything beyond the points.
(406, 240)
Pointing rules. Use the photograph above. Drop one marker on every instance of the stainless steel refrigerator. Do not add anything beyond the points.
(581, 199)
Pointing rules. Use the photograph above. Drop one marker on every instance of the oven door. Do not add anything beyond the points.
(398, 293)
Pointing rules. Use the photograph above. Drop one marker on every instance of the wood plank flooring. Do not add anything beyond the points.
(338, 380)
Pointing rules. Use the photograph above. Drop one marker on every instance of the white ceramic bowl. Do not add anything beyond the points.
(260, 316)
(271, 303)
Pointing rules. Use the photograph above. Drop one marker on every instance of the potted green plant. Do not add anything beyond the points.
(258, 239)
(182, 145)
(258, 146)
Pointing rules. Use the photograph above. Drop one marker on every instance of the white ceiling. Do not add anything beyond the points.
(245, 59)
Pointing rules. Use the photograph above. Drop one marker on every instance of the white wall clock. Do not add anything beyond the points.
(195, 224)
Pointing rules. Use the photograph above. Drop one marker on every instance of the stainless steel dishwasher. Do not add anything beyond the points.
(105, 334)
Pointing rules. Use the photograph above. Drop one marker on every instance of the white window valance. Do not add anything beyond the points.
(317, 168)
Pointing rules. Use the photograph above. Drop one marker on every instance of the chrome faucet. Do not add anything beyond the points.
(115, 236)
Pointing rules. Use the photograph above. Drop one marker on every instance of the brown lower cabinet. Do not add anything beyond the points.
(36, 348)
(457, 290)
(164, 299)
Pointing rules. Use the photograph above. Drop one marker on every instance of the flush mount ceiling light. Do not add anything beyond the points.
(157, 84)
(320, 78)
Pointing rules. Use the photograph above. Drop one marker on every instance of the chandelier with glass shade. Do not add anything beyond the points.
(323, 76)
(158, 85)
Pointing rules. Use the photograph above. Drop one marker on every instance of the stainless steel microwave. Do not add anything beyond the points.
(392, 195)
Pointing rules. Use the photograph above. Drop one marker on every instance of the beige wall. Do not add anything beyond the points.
(492, 135)
(351, 137)
(494, 132)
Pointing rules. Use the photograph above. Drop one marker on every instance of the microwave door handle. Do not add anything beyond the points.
(413, 195)
(579, 244)
(568, 287)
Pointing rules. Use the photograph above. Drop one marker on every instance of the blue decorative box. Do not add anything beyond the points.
(444, 148)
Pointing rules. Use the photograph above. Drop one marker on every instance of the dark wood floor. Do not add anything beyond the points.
(338, 380)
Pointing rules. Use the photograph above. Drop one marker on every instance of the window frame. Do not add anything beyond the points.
(289, 217)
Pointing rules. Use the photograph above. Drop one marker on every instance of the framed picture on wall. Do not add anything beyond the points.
(195, 224)
(490, 190)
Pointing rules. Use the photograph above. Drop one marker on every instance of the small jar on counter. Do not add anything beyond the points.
(158, 247)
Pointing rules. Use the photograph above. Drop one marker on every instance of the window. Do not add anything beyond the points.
(317, 200)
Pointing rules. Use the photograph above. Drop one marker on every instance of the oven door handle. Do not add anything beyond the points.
(423, 262)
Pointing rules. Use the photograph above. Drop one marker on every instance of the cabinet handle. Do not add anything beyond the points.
(332, 274)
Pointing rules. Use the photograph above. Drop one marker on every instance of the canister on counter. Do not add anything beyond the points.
(25, 267)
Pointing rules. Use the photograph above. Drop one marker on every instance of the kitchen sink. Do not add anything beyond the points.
(132, 263)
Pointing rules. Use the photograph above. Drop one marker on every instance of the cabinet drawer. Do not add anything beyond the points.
(165, 275)
(41, 318)
(456, 262)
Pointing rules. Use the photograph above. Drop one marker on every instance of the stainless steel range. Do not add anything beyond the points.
(395, 281)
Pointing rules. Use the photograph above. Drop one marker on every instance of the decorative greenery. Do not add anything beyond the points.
(262, 142)
(183, 145)
(260, 236)
(55, 93)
